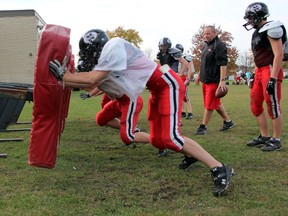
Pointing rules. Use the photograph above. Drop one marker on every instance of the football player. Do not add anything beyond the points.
(185, 76)
(266, 44)
(130, 71)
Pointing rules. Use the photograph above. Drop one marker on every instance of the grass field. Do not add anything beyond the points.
(96, 174)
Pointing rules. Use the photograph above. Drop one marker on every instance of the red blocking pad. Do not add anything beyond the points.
(67, 94)
(51, 97)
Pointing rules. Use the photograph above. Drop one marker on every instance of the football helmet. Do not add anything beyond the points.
(180, 47)
(164, 44)
(91, 45)
(254, 14)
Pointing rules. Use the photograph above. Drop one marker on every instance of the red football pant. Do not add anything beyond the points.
(127, 110)
(164, 110)
(258, 93)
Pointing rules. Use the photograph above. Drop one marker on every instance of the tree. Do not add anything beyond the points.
(246, 61)
(226, 37)
(148, 52)
(285, 64)
(130, 35)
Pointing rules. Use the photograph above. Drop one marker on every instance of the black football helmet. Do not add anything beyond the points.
(254, 14)
(164, 44)
(90, 45)
(180, 47)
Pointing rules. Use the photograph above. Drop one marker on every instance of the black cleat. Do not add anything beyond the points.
(189, 116)
(272, 145)
(187, 162)
(258, 142)
(227, 125)
(221, 177)
(163, 153)
(201, 130)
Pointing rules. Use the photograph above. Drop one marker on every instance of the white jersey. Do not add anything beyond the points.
(130, 68)
(112, 91)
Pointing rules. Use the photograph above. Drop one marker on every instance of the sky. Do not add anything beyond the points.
(152, 19)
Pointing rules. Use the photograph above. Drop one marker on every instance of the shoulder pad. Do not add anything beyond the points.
(188, 58)
(270, 25)
(174, 50)
(275, 33)
(175, 53)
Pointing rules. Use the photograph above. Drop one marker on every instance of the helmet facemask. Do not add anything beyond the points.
(251, 22)
(87, 59)
(163, 48)
(91, 45)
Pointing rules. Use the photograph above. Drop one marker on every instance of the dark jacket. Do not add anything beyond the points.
(213, 56)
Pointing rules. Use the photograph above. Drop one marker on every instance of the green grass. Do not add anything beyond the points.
(96, 174)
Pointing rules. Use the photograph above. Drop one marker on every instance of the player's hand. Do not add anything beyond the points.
(57, 68)
(187, 82)
(197, 80)
(222, 85)
(270, 88)
(250, 81)
(84, 95)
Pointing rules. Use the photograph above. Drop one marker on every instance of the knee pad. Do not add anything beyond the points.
(157, 142)
(127, 139)
(100, 120)
(257, 111)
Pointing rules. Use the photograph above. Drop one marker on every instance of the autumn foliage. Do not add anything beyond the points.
(130, 35)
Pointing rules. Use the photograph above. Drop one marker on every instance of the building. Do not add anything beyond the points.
(19, 37)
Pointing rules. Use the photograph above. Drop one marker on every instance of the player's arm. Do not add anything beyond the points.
(190, 62)
(90, 79)
(186, 66)
(274, 34)
(94, 92)
(197, 80)
(177, 54)
(77, 80)
(278, 56)
(222, 83)
(277, 63)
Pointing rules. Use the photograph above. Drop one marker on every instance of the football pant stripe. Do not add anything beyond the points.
(176, 138)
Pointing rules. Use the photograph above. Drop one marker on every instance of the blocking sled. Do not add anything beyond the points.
(51, 97)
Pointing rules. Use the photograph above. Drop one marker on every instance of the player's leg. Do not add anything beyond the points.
(170, 104)
(220, 172)
(256, 106)
(274, 109)
(155, 123)
(109, 114)
(130, 112)
(188, 105)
